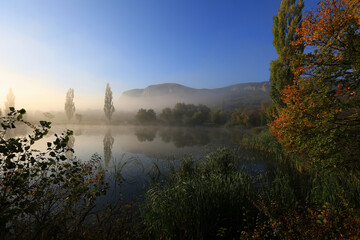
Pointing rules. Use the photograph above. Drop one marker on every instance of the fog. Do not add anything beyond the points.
(41, 101)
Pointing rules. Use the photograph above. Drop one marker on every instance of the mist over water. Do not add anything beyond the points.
(135, 154)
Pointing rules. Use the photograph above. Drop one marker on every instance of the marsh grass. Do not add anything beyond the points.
(207, 198)
(216, 198)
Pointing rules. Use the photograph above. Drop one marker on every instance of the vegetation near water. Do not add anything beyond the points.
(213, 197)
(310, 188)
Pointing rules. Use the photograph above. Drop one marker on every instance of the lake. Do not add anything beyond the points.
(135, 155)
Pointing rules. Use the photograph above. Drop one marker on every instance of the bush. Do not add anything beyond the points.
(42, 193)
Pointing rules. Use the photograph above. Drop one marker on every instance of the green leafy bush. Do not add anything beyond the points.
(42, 193)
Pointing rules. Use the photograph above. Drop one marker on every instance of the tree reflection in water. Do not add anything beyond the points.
(185, 137)
(108, 144)
(70, 152)
(146, 134)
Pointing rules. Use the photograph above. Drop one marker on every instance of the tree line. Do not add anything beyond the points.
(200, 115)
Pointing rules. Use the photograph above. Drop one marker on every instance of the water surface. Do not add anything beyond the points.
(135, 155)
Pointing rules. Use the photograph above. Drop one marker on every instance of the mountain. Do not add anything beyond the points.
(159, 96)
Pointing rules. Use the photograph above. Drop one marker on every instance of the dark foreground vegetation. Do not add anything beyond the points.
(47, 195)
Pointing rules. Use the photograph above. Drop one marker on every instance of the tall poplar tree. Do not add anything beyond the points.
(285, 23)
(69, 104)
(10, 101)
(108, 105)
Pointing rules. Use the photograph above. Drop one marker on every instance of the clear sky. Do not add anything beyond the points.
(48, 46)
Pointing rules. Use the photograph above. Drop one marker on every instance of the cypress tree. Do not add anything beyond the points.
(108, 105)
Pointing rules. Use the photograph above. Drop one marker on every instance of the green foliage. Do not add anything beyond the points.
(320, 118)
(285, 23)
(186, 114)
(144, 116)
(221, 161)
(239, 118)
(263, 141)
(42, 193)
(218, 117)
(214, 199)
(208, 201)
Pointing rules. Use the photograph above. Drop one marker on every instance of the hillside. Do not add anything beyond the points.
(167, 95)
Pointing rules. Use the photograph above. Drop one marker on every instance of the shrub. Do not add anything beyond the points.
(42, 193)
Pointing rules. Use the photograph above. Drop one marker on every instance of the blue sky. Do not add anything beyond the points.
(49, 46)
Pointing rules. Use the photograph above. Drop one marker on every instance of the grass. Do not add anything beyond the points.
(216, 199)
(189, 207)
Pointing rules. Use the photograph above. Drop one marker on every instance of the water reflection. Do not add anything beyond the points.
(184, 137)
(145, 134)
(108, 144)
(143, 153)
(70, 152)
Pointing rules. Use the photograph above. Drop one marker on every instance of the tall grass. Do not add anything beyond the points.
(215, 199)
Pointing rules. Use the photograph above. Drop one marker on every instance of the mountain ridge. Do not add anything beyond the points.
(158, 96)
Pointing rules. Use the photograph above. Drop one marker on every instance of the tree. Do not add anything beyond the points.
(69, 104)
(144, 116)
(321, 117)
(218, 117)
(239, 117)
(108, 105)
(189, 114)
(285, 23)
(10, 101)
(167, 116)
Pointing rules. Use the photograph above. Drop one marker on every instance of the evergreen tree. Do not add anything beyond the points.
(108, 106)
(285, 23)
(69, 104)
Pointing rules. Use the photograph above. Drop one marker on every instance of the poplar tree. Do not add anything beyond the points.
(285, 23)
(10, 101)
(108, 106)
(69, 104)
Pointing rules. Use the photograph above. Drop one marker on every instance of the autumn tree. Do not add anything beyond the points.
(285, 23)
(321, 117)
(69, 104)
(10, 101)
(108, 105)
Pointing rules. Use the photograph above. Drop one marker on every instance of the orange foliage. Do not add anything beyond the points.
(311, 122)
(332, 31)
(307, 113)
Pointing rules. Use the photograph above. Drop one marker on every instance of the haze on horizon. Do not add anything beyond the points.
(48, 47)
